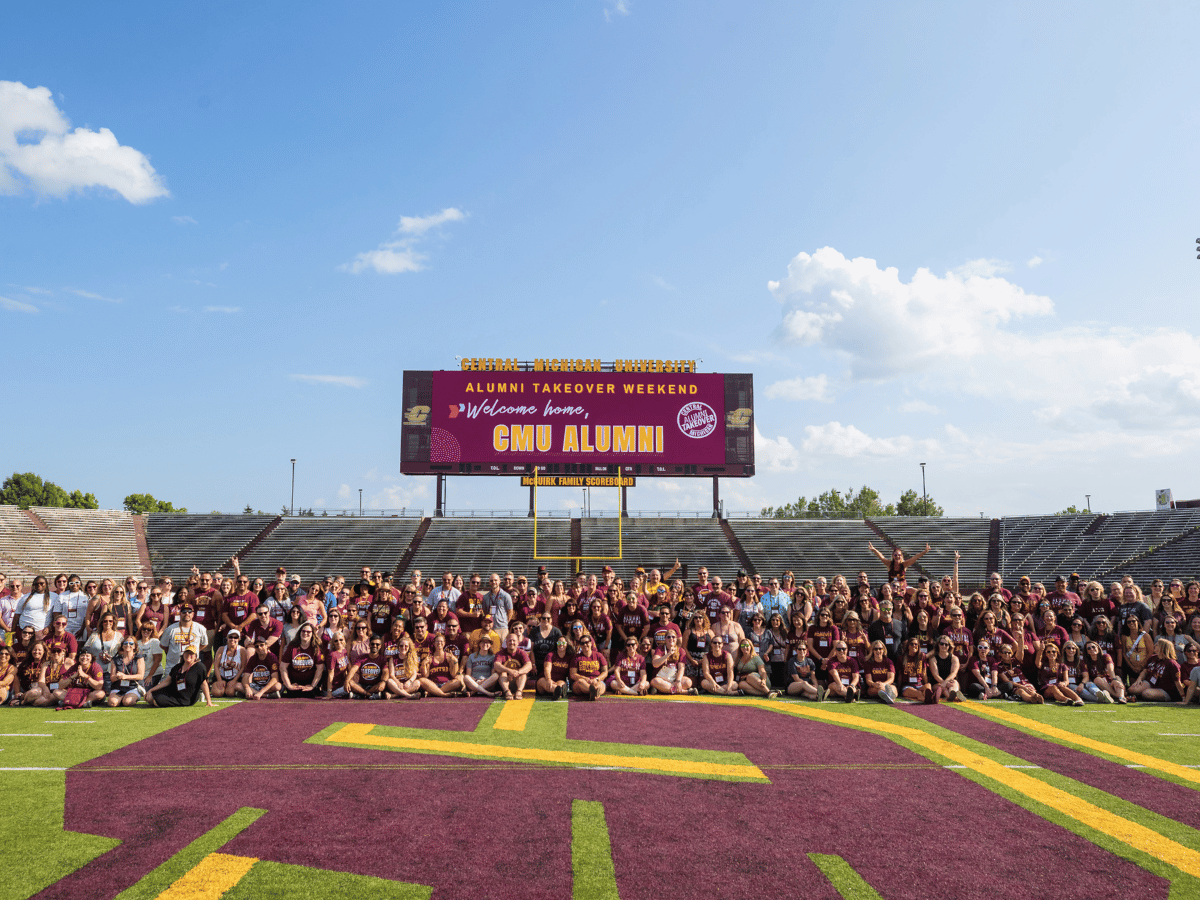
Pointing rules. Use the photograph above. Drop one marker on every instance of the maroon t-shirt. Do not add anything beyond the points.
(912, 670)
(339, 664)
(718, 667)
(878, 671)
(469, 608)
(659, 635)
(628, 666)
(66, 640)
(560, 666)
(1164, 674)
(714, 601)
(302, 664)
(515, 659)
(1097, 668)
(589, 665)
(843, 669)
(261, 669)
(823, 638)
(441, 626)
(239, 607)
(633, 621)
(1090, 608)
(381, 613)
(256, 629)
(459, 647)
(601, 629)
(371, 670)
(208, 610)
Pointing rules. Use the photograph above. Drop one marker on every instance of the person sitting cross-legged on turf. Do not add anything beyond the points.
(513, 666)
(479, 669)
(911, 663)
(126, 672)
(1191, 654)
(1101, 672)
(802, 675)
(941, 673)
(260, 677)
(751, 672)
(879, 673)
(717, 670)
(1160, 678)
(1052, 676)
(302, 665)
(229, 662)
(402, 671)
(556, 670)
(629, 670)
(669, 662)
(184, 684)
(81, 684)
(439, 670)
(368, 674)
(588, 670)
(338, 667)
(844, 674)
(1010, 678)
(982, 678)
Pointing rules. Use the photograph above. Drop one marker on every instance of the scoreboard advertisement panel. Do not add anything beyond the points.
(673, 424)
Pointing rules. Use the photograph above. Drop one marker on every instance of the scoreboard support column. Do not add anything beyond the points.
(624, 502)
(531, 513)
(716, 513)
(439, 510)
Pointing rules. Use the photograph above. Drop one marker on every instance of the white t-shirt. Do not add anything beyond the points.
(73, 605)
(176, 638)
(34, 611)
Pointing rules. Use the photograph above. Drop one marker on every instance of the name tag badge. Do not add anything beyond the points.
(845, 681)
(181, 685)
(823, 644)
(718, 678)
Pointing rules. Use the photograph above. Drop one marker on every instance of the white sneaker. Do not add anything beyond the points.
(1105, 697)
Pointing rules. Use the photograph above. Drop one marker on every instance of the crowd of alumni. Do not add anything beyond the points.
(70, 643)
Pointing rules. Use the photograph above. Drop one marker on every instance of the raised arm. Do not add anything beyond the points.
(912, 559)
(878, 555)
(954, 575)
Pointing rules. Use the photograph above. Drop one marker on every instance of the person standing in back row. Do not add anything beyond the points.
(498, 603)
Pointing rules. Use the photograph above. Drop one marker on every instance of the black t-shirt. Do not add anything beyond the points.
(542, 646)
(186, 685)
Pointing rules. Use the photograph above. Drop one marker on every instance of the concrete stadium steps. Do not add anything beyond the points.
(484, 545)
(1043, 547)
(93, 543)
(945, 535)
(1178, 559)
(177, 541)
(811, 547)
(316, 546)
(656, 543)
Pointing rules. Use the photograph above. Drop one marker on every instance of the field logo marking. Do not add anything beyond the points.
(521, 731)
(593, 876)
(844, 879)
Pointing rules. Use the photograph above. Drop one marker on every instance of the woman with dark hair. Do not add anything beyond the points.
(439, 671)
(31, 684)
(941, 673)
(291, 625)
(981, 675)
(556, 667)
(718, 672)
(777, 649)
(302, 663)
(1134, 649)
(34, 608)
(105, 643)
(628, 672)
(670, 664)
(1102, 673)
(820, 638)
(338, 668)
(155, 611)
(229, 662)
(897, 565)
(1012, 681)
(923, 630)
(588, 670)
(1170, 631)
(8, 674)
(126, 674)
(976, 607)
(335, 624)
(600, 626)
(80, 685)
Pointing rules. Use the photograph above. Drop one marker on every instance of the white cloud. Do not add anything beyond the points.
(416, 226)
(815, 387)
(662, 283)
(982, 268)
(775, 455)
(223, 309)
(405, 495)
(1034, 262)
(33, 290)
(339, 380)
(957, 332)
(184, 220)
(16, 305)
(399, 256)
(39, 151)
(343, 492)
(90, 296)
(836, 439)
(918, 406)
(615, 7)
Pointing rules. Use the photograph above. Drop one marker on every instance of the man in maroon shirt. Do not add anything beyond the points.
(260, 676)
(239, 605)
(630, 620)
(263, 627)
(664, 626)
(1063, 602)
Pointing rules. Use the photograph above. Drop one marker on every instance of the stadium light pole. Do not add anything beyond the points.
(293, 506)
(924, 494)
(1089, 500)
(360, 503)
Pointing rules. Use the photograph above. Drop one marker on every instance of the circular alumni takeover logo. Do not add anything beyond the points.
(697, 419)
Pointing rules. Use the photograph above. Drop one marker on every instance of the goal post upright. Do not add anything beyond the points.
(580, 558)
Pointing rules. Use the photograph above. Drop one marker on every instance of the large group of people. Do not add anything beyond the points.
(70, 643)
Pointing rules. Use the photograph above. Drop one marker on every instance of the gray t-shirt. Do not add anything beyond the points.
(481, 666)
(500, 606)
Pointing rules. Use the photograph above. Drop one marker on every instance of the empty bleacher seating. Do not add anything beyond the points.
(659, 542)
(492, 545)
(944, 535)
(317, 546)
(93, 543)
(177, 541)
(810, 547)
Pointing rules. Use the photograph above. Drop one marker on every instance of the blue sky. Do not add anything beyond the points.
(228, 230)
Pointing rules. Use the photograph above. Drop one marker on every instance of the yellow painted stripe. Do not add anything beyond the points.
(514, 714)
(361, 734)
(212, 877)
(1141, 759)
(1131, 833)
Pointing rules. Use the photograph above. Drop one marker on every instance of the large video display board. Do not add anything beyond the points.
(596, 422)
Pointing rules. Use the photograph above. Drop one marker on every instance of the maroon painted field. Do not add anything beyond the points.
(475, 828)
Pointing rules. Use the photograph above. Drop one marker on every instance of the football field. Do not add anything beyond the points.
(630, 798)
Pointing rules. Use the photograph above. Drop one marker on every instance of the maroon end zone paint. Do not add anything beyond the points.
(509, 826)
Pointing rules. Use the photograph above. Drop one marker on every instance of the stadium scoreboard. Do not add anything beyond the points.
(578, 418)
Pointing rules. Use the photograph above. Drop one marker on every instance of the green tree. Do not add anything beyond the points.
(911, 504)
(1072, 511)
(834, 504)
(27, 489)
(141, 504)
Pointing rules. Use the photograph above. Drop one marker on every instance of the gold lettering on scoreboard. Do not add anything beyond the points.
(579, 481)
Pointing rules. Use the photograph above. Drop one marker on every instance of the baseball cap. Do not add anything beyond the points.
(233, 632)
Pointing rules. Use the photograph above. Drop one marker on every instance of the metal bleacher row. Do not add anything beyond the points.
(99, 543)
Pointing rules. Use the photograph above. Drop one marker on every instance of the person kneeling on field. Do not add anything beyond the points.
(183, 685)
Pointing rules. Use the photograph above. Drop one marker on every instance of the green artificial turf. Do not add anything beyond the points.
(594, 877)
(845, 880)
(38, 852)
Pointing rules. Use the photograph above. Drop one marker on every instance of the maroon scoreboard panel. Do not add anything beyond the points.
(671, 424)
